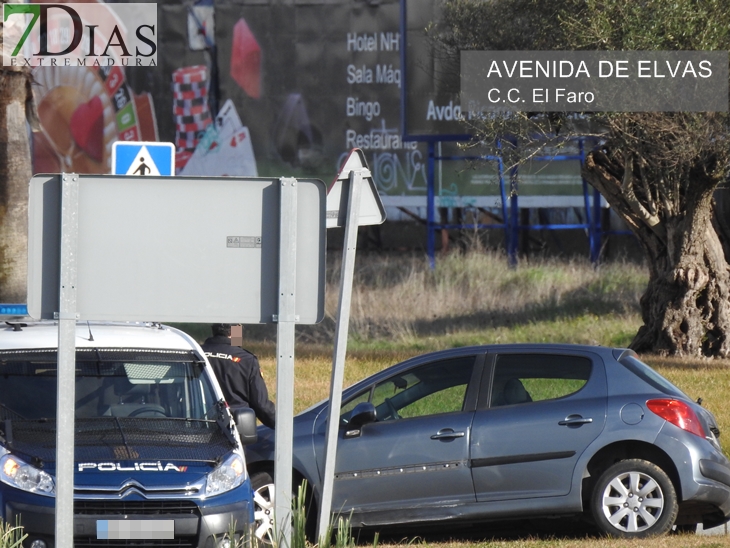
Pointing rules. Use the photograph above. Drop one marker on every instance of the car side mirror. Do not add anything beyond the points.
(245, 420)
(363, 413)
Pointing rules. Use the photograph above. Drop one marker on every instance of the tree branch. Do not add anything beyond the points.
(627, 185)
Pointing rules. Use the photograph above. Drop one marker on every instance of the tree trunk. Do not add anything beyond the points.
(721, 218)
(15, 173)
(686, 306)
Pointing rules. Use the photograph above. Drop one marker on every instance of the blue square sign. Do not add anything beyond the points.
(143, 158)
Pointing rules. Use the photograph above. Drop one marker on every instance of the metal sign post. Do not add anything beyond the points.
(342, 329)
(284, 433)
(66, 404)
(364, 208)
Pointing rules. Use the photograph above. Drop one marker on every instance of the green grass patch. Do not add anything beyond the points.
(616, 330)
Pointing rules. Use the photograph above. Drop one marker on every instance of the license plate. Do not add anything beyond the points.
(135, 529)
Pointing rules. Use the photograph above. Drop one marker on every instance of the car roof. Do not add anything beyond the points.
(513, 347)
(44, 334)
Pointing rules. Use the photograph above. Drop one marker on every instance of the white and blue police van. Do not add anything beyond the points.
(158, 455)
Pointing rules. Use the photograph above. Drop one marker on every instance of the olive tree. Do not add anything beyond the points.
(658, 171)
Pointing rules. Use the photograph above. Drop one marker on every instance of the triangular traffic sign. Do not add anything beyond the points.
(372, 211)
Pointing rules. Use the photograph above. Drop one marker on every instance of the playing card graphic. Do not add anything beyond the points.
(224, 149)
(227, 122)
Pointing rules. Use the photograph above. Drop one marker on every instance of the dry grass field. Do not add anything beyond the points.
(678, 541)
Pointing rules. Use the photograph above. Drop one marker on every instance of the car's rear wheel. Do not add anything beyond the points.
(634, 499)
(264, 504)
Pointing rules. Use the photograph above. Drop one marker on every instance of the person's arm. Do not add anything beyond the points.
(259, 397)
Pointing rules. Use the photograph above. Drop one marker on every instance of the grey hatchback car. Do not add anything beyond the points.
(512, 431)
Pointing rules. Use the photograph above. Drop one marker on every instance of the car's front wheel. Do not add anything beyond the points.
(264, 504)
(634, 499)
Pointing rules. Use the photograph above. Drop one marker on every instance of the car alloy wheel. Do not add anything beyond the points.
(634, 499)
(264, 504)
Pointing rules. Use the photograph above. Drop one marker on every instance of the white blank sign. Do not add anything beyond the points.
(183, 249)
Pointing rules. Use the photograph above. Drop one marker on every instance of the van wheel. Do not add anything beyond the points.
(264, 504)
(634, 499)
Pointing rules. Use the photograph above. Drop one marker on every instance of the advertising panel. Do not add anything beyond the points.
(264, 88)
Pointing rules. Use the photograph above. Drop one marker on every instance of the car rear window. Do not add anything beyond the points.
(527, 378)
(648, 375)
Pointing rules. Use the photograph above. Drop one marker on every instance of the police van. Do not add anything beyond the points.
(158, 455)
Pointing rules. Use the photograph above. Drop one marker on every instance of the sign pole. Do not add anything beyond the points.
(286, 320)
(65, 409)
(340, 350)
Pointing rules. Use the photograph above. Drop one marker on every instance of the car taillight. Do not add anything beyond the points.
(679, 414)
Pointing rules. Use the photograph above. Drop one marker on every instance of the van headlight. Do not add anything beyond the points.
(229, 475)
(20, 474)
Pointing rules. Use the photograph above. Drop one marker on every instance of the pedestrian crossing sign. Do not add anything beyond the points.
(143, 158)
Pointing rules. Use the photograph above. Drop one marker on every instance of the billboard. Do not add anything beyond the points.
(431, 102)
(265, 88)
(295, 85)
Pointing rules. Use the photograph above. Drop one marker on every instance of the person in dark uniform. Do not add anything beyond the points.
(239, 374)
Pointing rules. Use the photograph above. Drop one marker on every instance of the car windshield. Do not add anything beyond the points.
(109, 383)
(647, 374)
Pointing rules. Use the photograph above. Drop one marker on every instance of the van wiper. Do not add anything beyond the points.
(224, 420)
(125, 443)
(8, 432)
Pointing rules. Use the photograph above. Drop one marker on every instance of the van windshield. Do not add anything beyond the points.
(109, 383)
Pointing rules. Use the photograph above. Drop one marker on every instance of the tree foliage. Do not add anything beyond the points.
(658, 170)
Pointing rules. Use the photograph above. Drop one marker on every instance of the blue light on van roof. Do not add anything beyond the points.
(13, 309)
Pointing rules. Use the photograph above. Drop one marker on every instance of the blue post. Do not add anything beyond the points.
(514, 218)
(431, 208)
(589, 214)
(503, 193)
(597, 223)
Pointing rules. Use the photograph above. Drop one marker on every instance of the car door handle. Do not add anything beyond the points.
(447, 433)
(575, 420)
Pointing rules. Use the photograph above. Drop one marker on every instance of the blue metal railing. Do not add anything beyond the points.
(510, 213)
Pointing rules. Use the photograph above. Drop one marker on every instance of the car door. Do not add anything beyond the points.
(416, 453)
(537, 415)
